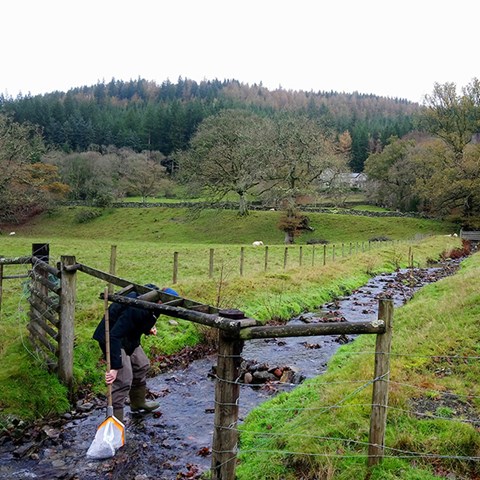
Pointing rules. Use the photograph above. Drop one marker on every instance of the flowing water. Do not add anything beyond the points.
(176, 444)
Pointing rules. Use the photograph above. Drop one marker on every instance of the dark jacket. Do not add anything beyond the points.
(127, 324)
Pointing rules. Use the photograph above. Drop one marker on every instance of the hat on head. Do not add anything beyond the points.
(170, 291)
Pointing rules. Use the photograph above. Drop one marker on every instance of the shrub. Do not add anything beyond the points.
(380, 238)
(85, 216)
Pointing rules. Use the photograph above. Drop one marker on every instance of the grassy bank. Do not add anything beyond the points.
(25, 389)
(321, 429)
(184, 226)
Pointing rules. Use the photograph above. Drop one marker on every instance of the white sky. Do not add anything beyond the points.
(392, 48)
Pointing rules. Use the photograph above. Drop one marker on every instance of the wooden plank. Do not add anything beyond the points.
(45, 282)
(40, 297)
(378, 419)
(334, 328)
(45, 313)
(16, 261)
(106, 277)
(39, 335)
(12, 277)
(38, 320)
(37, 263)
(208, 319)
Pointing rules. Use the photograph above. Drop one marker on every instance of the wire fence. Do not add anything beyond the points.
(462, 410)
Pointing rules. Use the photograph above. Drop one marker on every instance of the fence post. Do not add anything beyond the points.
(324, 255)
(378, 418)
(285, 257)
(227, 392)
(1, 288)
(67, 321)
(266, 258)
(242, 260)
(210, 268)
(300, 260)
(113, 265)
(175, 267)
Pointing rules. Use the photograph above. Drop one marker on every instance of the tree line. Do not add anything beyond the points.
(142, 115)
(251, 150)
(435, 170)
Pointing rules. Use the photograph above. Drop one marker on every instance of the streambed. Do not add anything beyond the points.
(176, 443)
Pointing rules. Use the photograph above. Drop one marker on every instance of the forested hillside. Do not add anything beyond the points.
(143, 115)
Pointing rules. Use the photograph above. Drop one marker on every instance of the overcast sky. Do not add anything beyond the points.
(385, 47)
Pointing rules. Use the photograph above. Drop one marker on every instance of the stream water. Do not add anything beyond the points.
(176, 444)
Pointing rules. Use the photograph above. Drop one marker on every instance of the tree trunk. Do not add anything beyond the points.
(289, 238)
(242, 204)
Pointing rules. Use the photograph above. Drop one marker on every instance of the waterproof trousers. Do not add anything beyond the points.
(132, 374)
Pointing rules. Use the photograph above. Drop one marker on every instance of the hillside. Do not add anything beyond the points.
(181, 225)
(142, 115)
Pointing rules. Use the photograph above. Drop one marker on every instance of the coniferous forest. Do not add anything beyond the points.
(143, 115)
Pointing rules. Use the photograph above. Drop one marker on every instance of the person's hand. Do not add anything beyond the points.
(153, 330)
(110, 376)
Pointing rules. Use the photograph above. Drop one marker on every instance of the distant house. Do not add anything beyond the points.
(352, 180)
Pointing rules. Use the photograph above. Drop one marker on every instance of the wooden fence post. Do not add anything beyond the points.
(1, 288)
(210, 267)
(266, 258)
(227, 392)
(113, 266)
(175, 267)
(242, 260)
(324, 255)
(300, 260)
(67, 321)
(378, 418)
(285, 258)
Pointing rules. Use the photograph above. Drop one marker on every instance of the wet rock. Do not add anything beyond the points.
(24, 450)
(262, 376)
(51, 433)
(342, 339)
(85, 407)
(248, 378)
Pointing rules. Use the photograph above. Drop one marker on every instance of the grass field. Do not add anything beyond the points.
(434, 400)
(146, 239)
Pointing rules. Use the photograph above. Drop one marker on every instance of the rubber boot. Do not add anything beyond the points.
(138, 403)
(118, 414)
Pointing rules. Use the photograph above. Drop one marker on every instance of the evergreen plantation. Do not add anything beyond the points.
(143, 115)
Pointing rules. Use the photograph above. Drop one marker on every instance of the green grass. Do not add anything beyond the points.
(331, 443)
(145, 258)
(180, 226)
